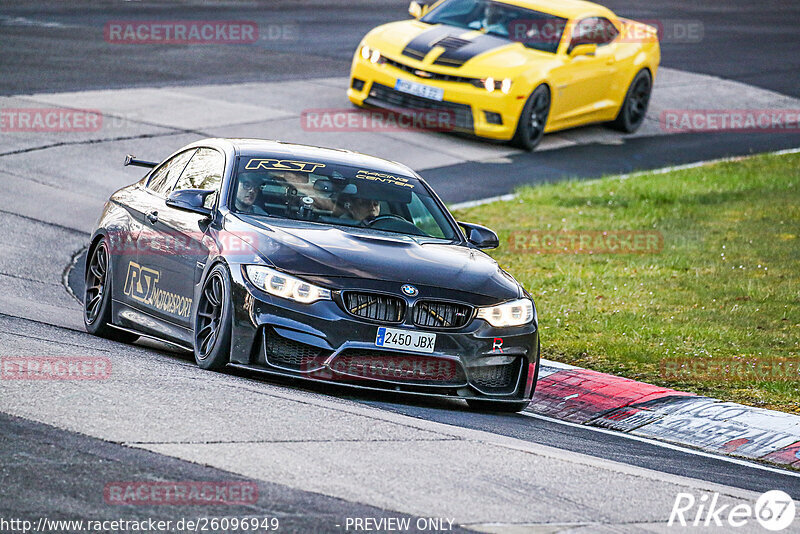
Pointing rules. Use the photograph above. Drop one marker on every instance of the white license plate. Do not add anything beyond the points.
(425, 91)
(405, 339)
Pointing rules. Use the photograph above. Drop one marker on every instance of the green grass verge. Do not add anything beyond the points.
(723, 291)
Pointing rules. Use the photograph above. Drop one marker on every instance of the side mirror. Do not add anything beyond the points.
(583, 50)
(190, 200)
(418, 9)
(480, 236)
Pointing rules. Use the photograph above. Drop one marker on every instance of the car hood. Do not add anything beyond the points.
(482, 52)
(330, 252)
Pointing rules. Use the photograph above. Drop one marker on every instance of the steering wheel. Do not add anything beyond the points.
(403, 226)
(388, 216)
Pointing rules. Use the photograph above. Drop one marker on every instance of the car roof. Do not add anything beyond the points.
(264, 147)
(570, 9)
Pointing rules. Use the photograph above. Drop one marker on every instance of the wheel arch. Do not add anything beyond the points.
(531, 85)
(210, 266)
(625, 88)
(99, 236)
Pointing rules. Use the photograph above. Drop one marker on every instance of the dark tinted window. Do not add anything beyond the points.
(166, 175)
(339, 195)
(540, 31)
(204, 171)
(593, 30)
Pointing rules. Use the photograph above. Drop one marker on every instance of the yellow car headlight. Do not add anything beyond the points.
(515, 313)
(372, 55)
(285, 286)
(491, 85)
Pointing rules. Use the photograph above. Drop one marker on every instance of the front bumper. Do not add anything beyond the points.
(467, 103)
(322, 342)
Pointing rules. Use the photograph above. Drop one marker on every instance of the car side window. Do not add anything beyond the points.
(422, 217)
(204, 171)
(594, 30)
(165, 176)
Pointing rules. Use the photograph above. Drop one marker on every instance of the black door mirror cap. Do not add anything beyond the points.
(480, 236)
(190, 200)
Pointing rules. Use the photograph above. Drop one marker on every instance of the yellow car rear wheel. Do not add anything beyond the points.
(533, 119)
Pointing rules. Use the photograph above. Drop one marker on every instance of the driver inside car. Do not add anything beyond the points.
(247, 194)
(359, 209)
(492, 21)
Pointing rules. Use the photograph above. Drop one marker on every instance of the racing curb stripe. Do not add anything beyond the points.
(597, 399)
(602, 400)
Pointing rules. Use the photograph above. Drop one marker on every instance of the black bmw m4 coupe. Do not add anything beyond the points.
(313, 263)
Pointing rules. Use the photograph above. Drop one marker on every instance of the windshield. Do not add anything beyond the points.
(337, 194)
(533, 29)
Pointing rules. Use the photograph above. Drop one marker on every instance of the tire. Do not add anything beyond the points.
(212, 321)
(97, 296)
(634, 108)
(533, 119)
(481, 405)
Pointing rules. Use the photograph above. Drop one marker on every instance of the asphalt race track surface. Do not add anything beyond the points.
(752, 42)
(320, 454)
(79, 467)
(53, 46)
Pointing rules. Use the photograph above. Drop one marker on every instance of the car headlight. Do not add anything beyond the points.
(514, 313)
(491, 85)
(372, 55)
(285, 286)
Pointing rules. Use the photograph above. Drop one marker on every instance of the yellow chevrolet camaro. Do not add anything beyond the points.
(511, 70)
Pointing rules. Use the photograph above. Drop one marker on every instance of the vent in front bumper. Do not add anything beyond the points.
(496, 378)
(436, 314)
(383, 96)
(368, 364)
(374, 306)
(290, 354)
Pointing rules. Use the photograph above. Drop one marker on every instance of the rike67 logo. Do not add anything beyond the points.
(774, 511)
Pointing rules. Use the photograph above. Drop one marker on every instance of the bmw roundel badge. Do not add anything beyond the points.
(409, 290)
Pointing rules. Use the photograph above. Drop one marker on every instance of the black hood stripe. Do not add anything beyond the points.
(423, 43)
(457, 51)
